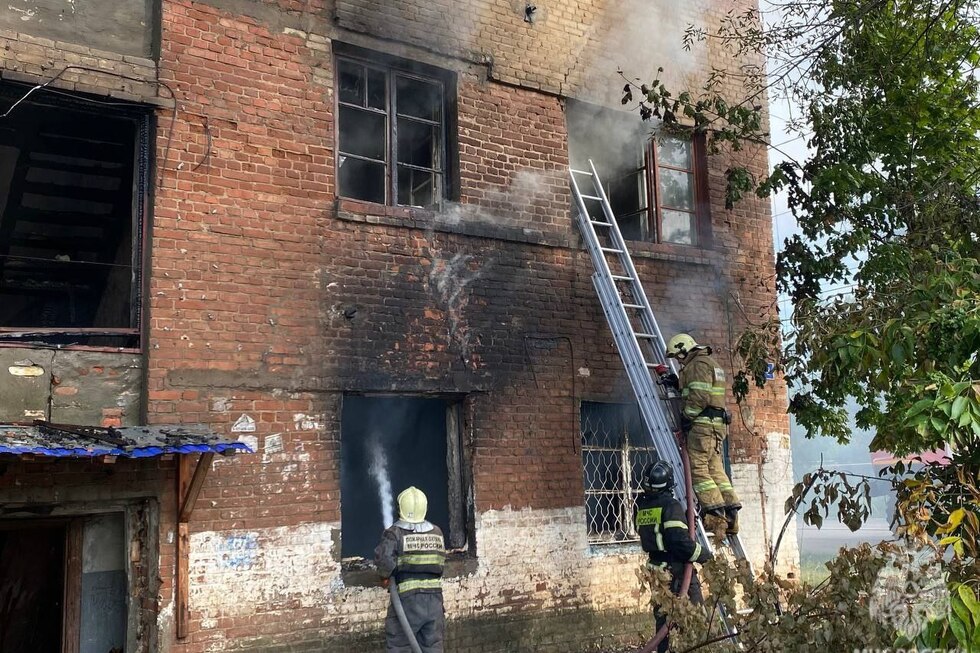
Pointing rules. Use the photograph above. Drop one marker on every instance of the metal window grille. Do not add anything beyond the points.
(615, 451)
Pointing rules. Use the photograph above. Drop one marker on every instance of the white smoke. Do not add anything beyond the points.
(379, 470)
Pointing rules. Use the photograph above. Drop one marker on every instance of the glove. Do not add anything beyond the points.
(686, 423)
(670, 380)
(706, 556)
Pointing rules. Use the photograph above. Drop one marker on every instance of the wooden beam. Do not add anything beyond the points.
(188, 488)
(72, 627)
(194, 489)
(182, 579)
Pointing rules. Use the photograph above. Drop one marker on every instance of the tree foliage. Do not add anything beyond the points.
(887, 97)
(884, 276)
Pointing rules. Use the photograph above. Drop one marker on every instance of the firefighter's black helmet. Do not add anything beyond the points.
(657, 477)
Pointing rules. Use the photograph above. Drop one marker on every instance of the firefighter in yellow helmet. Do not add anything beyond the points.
(705, 420)
(411, 554)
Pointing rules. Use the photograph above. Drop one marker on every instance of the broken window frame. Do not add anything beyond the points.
(459, 477)
(621, 497)
(444, 169)
(124, 338)
(651, 222)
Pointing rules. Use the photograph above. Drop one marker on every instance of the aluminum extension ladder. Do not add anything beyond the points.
(639, 340)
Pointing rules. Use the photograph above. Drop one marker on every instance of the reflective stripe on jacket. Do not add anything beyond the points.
(661, 523)
(702, 383)
(414, 558)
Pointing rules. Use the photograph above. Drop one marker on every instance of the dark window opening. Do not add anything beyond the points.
(388, 444)
(615, 451)
(71, 199)
(393, 130)
(63, 585)
(655, 185)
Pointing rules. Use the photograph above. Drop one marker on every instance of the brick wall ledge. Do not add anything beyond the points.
(426, 219)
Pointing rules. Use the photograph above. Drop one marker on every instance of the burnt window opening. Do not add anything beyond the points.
(388, 444)
(72, 182)
(615, 451)
(395, 123)
(656, 184)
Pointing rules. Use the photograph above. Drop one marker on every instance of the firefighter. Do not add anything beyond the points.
(704, 420)
(411, 554)
(661, 522)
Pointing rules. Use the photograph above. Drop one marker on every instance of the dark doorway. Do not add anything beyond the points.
(32, 586)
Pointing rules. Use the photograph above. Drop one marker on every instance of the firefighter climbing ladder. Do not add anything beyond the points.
(639, 340)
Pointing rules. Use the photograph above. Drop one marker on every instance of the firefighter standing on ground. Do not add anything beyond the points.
(411, 554)
(704, 419)
(661, 522)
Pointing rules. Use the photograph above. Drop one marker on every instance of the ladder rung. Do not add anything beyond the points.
(633, 306)
(619, 277)
(646, 336)
(591, 197)
(580, 172)
(610, 250)
(600, 223)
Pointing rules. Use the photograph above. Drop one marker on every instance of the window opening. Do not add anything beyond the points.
(391, 133)
(71, 202)
(651, 181)
(615, 451)
(388, 444)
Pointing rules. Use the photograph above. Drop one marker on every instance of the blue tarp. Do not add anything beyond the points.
(130, 441)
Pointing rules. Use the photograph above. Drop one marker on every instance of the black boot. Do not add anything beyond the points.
(731, 516)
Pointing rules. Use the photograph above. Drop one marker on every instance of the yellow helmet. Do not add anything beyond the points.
(681, 345)
(412, 505)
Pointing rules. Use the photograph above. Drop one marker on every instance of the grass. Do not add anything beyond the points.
(812, 567)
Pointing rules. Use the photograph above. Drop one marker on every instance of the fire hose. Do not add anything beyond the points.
(661, 634)
(396, 604)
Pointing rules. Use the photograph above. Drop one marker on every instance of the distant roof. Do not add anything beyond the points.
(74, 441)
(885, 458)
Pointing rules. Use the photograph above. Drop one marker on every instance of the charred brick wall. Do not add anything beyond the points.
(269, 298)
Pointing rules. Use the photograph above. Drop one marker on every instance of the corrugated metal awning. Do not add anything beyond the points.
(74, 441)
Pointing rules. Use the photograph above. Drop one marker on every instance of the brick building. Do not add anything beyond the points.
(340, 232)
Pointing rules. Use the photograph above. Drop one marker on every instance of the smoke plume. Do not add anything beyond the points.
(379, 470)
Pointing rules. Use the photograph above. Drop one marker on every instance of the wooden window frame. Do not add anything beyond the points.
(701, 199)
(394, 68)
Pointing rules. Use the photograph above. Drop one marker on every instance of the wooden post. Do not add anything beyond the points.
(182, 579)
(72, 628)
(188, 489)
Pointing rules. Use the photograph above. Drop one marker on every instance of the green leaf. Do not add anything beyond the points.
(959, 629)
(918, 407)
(970, 601)
(962, 612)
(958, 405)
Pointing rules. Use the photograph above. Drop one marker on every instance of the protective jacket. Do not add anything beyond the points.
(702, 383)
(662, 525)
(414, 554)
